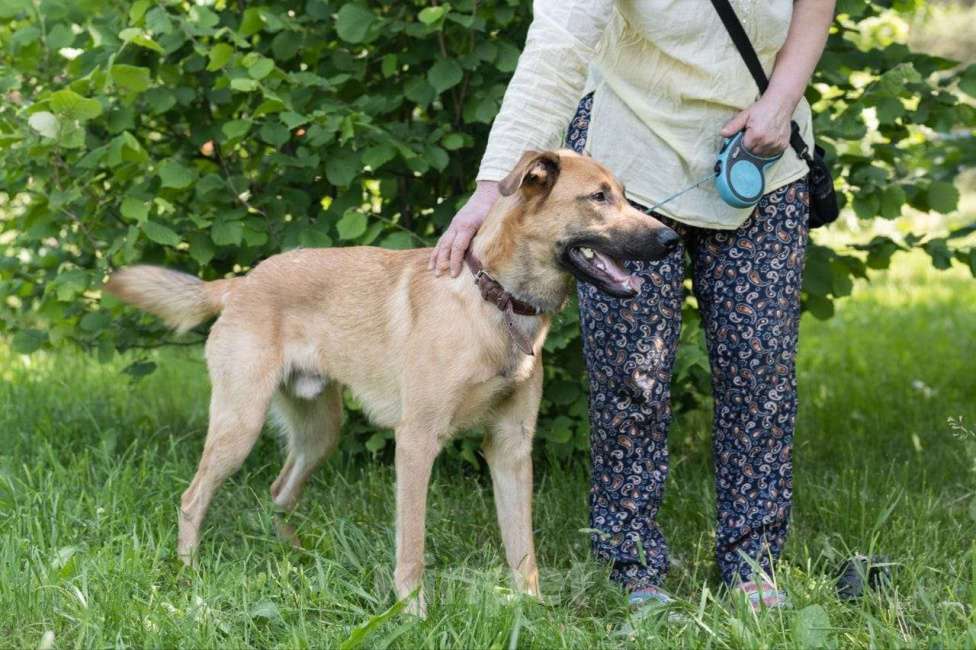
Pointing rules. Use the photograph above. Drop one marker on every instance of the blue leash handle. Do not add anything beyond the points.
(740, 174)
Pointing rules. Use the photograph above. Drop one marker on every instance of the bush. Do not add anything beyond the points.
(209, 136)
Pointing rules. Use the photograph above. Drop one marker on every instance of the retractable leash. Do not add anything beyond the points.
(739, 175)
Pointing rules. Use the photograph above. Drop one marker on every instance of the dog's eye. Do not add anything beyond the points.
(599, 197)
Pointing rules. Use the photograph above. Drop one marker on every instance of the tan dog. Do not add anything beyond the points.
(425, 355)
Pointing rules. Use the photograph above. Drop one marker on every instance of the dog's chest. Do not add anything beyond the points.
(487, 393)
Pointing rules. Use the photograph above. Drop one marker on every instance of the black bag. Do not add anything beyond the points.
(823, 200)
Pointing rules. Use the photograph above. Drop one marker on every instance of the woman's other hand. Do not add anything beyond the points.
(453, 244)
(767, 125)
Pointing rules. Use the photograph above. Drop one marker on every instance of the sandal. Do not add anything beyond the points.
(763, 595)
(648, 596)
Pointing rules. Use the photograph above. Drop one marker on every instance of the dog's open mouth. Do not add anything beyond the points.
(601, 270)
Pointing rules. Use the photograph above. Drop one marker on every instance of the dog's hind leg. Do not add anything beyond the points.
(311, 428)
(238, 406)
(509, 455)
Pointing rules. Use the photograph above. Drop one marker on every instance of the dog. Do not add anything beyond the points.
(425, 355)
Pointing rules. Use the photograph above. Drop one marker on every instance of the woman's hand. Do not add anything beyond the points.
(453, 244)
(767, 125)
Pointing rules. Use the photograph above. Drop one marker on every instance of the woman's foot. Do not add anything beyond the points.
(762, 595)
(650, 602)
(648, 596)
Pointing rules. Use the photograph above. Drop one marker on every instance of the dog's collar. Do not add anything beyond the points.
(492, 291)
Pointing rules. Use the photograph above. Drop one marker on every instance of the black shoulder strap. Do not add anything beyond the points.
(742, 43)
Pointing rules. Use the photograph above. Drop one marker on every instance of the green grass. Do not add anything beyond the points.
(91, 468)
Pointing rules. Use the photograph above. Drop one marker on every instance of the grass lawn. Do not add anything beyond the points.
(91, 468)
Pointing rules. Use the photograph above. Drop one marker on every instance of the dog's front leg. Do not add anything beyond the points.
(416, 448)
(509, 454)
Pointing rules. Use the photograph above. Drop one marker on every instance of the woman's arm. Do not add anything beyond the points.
(538, 104)
(767, 122)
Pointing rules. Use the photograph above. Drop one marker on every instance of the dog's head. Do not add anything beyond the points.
(576, 209)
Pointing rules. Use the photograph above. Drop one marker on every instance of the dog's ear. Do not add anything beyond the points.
(536, 172)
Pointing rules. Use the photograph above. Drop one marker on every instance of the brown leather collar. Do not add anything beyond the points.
(492, 291)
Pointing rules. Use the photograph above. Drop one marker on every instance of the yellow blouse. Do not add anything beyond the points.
(666, 78)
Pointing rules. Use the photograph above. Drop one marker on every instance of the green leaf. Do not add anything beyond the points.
(351, 225)
(377, 441)
(219, 55)
(314, 238)
(27, 341)
(227, 233)
(45, 123)
(236, 129)
(508, 56)
(939, 251)
(133, 79)
(820, 306)
(342, 167)
(94, 321)
(73, 106)
(398, 241)
(419, 91)
(445, 74)
(285, 46)
(967, 80)
(274, 134)
(811, 627)
(160, 234)
(175, 175)
(892, 199)
(376, 157)
(292, 120)
(251, 22)
(138, 10)
(353, 22)
(437, 157)
(560, 430)
(134, 209)
(389, 65)
(818, 276)
(452, 141)
(943, 197)
(244, 85)
(866, 205)
(261, 68)
(431, 15)
(138, 37)
(201, 248)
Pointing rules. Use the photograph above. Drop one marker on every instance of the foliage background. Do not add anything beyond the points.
(207, 136)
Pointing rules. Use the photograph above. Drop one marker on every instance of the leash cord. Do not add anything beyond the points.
(680, 192)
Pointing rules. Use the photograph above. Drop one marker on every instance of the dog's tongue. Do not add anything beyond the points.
(617, 273)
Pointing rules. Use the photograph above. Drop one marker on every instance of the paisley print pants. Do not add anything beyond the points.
(747, 283)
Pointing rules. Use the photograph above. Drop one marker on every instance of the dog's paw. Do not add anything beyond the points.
(416, 607)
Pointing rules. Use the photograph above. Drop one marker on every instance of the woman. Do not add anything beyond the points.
(662, 84)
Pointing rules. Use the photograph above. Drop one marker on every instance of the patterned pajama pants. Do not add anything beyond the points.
(747, 283)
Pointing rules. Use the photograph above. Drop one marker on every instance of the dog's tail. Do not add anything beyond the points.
(181, 300)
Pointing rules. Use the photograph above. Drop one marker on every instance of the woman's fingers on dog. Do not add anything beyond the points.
(438, 249)
(444, 251)
(432, 260)
(459, 247)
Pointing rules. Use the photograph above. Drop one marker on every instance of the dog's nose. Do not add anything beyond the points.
(668, 239)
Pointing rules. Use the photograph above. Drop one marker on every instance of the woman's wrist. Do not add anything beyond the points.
(784, 100)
